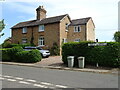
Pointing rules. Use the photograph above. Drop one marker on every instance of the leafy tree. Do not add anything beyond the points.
(2, 26)
(117, 36)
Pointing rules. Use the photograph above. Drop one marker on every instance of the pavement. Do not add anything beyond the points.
(55, 62)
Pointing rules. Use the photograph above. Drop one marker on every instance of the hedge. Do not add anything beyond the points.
(10, 53)
(16, 54)
(8, 45)
(28, 56)
(103, 55)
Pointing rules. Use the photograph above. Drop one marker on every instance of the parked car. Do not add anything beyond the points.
(44, 53)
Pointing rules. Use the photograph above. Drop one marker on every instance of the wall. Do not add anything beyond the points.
(76, 35)
(90, 31)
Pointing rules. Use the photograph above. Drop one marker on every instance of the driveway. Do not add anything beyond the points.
(51, 61)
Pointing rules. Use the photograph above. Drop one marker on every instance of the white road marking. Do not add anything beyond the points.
(18, 78)
(30, 80)
(61, 86)
(24, 82)
(42, 86)
(46, 83)
(12, 80)
(7, 76)
(33, 82)
(2, 78)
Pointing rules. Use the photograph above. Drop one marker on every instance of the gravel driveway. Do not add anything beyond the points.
(51, 61)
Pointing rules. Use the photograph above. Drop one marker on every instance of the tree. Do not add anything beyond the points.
(117, 36)
(2, 26)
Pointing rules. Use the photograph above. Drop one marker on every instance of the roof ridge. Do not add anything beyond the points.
(55, 16)
(82, 18)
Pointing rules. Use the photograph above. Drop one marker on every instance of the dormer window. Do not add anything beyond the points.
(24, 30)
(41, 28)
(77, 29)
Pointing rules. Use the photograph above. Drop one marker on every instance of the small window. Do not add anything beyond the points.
(64, 40)
(41, 28)
(77, 29)
(24, 40)
(77, 40)
(24, 30)
(41, 41)
(66, 26)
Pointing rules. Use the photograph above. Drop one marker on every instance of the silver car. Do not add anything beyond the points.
(44, 53)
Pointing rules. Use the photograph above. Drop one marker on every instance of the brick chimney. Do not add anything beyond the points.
(41, 13)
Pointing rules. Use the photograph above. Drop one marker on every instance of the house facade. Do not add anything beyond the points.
(44, 31)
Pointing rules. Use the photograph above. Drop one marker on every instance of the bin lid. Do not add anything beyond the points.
(81, 57)
(70, 57)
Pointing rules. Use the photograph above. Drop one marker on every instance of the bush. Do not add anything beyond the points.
(9, 54)
(8, 45)
(5, 56)
(55, 49)
(16, 54)
(103, 55)
(28, 56)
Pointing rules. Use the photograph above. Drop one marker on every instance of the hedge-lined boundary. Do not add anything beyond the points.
(9, 45)
(17, 54)
(103, 55)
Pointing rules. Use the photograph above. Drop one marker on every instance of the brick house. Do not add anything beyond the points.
(58, 29)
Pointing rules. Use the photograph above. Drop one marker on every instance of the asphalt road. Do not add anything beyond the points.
(14, 76)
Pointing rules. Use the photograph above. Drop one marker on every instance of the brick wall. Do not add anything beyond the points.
(77, 35)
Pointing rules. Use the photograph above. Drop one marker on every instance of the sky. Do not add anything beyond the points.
(103, 12)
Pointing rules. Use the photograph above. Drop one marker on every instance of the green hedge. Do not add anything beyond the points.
(103, 55)
(16, 54)
(28, 56)
(10, 53)
(8, 45)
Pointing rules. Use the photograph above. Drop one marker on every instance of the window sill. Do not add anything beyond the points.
(41, 45)
(40, 31)
(24, 33)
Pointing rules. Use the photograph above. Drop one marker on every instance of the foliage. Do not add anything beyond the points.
(28, 56)
(103, 55)
(2, 26)
(9, 45)
(16, 54)
(55, 49)
(117, 36)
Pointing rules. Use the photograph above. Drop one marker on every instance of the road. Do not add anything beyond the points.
(14, 76)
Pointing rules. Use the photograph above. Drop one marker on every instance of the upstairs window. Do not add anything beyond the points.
(77, 40)
(77, 29)
(41, 28)
(24, 30)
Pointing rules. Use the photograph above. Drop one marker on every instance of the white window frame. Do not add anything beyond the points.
(76, 28)
(41, 41)
(64, 40)
(41, 28)
(24, 40)
(77, 40)
(24, 30)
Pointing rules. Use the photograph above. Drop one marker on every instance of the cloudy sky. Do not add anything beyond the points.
(103, 12)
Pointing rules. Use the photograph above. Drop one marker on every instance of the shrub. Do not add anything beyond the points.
(8, 45)
(9, 54)
(55, 49)
(5, 56)
(103, 55)
(16, 54)
(28, 56)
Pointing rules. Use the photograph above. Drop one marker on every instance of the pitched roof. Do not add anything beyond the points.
(40, 22)
(81, 21)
